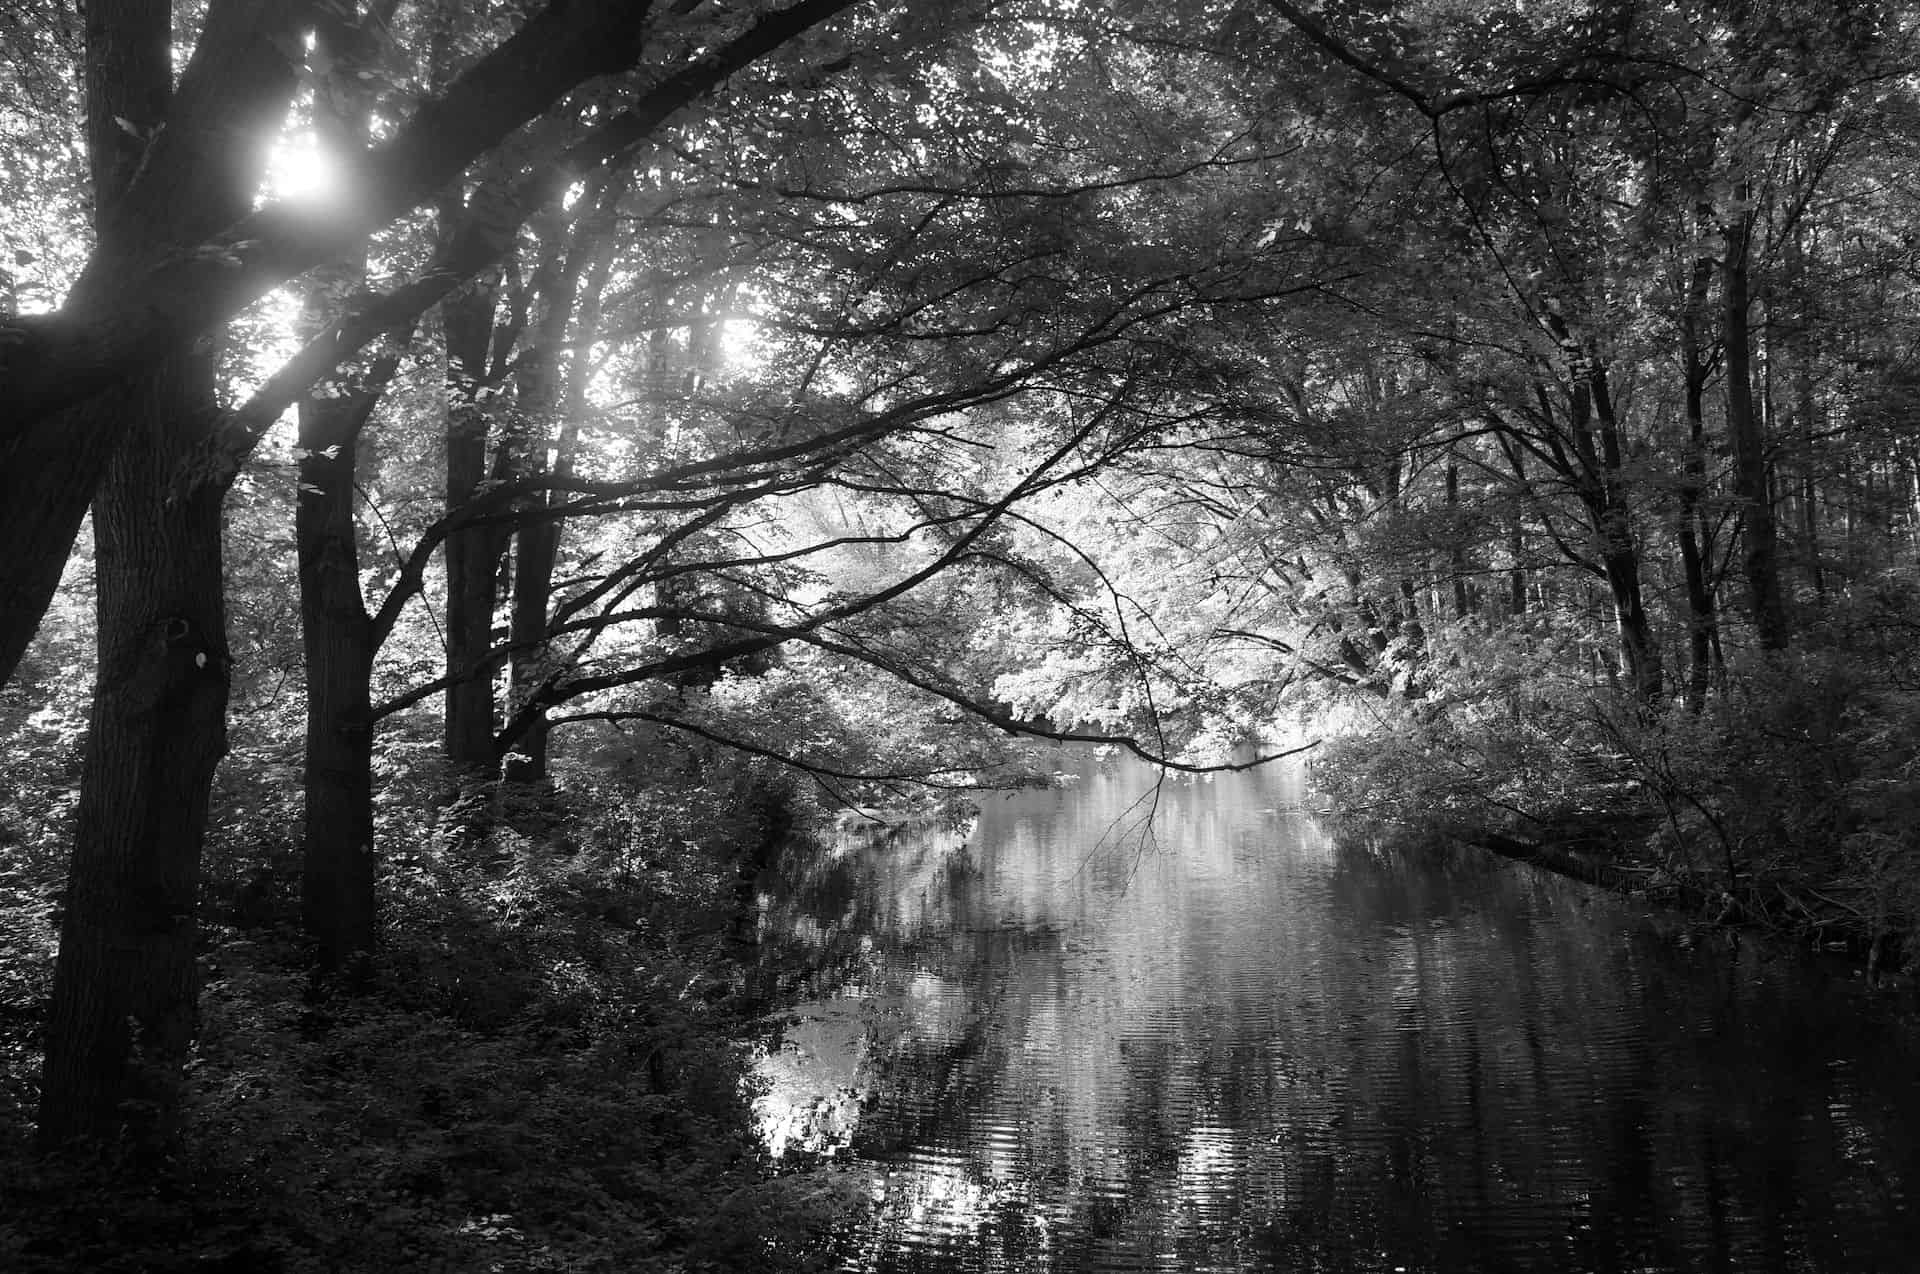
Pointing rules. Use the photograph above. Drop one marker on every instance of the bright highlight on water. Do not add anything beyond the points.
(1121, 1028)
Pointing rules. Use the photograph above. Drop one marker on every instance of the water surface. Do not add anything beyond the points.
(1144, 1025)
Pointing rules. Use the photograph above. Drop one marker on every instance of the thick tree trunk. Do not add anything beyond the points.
(125, 987)
(125, 984)
(1744, 434)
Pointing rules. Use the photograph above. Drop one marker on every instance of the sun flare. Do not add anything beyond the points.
(298, 168)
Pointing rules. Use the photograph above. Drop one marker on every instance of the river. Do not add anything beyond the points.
(1141, 1025)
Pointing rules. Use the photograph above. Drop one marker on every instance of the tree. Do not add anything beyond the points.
(337, 634)
(158, 724)
(117, 390)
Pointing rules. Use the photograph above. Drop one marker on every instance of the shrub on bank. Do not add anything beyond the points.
(1791, 800)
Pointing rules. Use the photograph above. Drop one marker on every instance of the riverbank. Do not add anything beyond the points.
(1815, 921)
(1622, 853)
(1789, 805)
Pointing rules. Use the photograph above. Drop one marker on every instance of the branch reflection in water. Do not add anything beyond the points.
(1139, 1026)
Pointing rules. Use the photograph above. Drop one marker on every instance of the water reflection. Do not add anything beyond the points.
(1132, 1026)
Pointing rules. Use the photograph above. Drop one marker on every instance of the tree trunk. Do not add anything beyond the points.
(338, 900)
(537, 542)
(337, 864)
(472, 556)
(125, 984)
(125, 992)
(472, 553)
(51, 468)
(1517, 533)
(1457, 551)
(588, 270)
(1608, 507)
(1744, 433)
(1702, 621)
(1803, 352)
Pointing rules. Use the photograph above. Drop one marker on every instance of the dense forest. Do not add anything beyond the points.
(482, 481)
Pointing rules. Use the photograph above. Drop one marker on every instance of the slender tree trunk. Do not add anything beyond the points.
(1517, 533)
(472, 553)
(338, 899)
(1592, 406)
(1744, 433)
(537, 542)
(1702, 621)
(537, 547)
(337, 879)
(1803, 352)
(1457, 551)
(472, 556)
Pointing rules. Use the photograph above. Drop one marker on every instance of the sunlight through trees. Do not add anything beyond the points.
(417, 422)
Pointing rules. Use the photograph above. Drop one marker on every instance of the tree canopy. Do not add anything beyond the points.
(476, 407)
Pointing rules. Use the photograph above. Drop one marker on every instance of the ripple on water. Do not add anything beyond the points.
(1216, 1043)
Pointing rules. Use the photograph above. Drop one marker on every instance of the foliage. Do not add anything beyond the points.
(1789, 800)
(543, 1074)
(835, 388)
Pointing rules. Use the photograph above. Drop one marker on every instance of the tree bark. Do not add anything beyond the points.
(536, 543)
(1457, 549)
(1803, 352)
(472, 557)
(1608, 507)
(337, 862)
(472, 553)
(125, 983)
(156, 183)
(337, 894)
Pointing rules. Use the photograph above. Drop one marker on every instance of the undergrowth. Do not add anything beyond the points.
(542, 1073)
